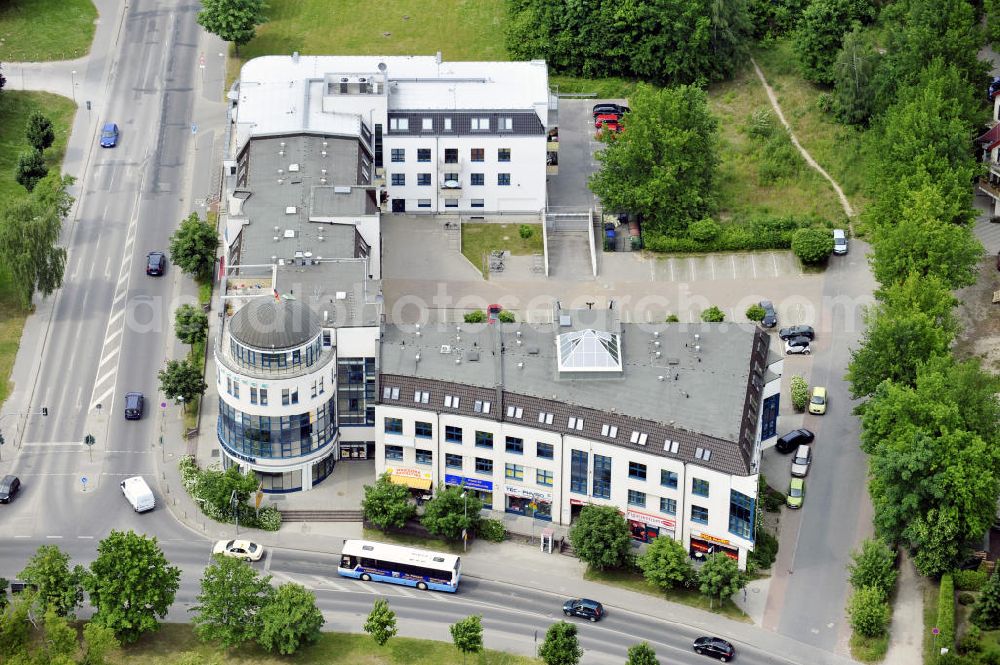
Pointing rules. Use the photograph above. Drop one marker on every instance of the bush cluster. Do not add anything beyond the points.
(969, 580)
(765, 549)
(193, 478)
(800, 393)
(758, 232)
(492, 530)
(946, 612)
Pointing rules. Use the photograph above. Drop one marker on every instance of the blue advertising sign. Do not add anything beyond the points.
(471, 483)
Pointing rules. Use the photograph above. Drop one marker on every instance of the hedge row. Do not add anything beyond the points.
(946, 612)
(758, 232)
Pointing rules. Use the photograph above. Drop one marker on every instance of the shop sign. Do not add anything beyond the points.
(408, 472)
(712, 539)
(578, 502)
(523, 493)
(646, 518)
(471, 483)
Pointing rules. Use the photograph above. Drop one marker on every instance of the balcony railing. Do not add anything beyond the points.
(989, 188)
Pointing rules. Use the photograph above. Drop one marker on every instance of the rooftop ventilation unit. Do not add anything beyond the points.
(341, 295)
(362, 79)
(293, 168)
(532, 350)
(565, 321)
(344, 79)
(445, 348)
(472, 356)
(291, 210)
(342, 190)
(289, 233)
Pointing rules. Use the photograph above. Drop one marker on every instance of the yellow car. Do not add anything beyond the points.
(817, 403)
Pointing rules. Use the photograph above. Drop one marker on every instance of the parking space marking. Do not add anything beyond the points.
(774, 262)
(692, 269)
(670, 261)
(753, 262)
(711, 262)
(733, 257)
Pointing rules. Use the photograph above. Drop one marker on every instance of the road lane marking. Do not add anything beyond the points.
(85, 537)
(53, 537)
(104, 378)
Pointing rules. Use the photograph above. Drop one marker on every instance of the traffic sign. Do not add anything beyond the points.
(194, 128)
(84, 480)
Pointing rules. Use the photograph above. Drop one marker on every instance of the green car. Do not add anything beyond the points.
(796, 493)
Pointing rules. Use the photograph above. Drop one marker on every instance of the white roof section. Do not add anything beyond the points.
(589, 351)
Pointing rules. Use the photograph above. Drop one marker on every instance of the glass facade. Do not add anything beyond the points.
(276, 437)
(356, 391)
(602, 477)
(741, 509)
(292, 359)
(578, 472)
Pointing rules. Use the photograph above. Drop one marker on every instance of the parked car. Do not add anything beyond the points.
(109, 135)
(239, 549)
(585, 608)
(156, 263)
(797, 331)
(770, 316)
(796, 493)
(493, 313)
(797, 345)
(605, 118)
(610, 108)
(9, 487)
(817, 403)
(716, 647)
(839, 242)
(789, 442)
(801, 461)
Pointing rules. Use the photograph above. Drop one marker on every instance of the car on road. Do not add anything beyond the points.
(493, 313)
(9, 486)
(135, 403)
(716, 647)
(797, 331)
(239, 549)
(801, 461)
(796, 493)
(770, 316)
(817, 403)
(584, 608)
(789, 442)
(156, 264)
(109, 135)
(797, 345)
(839, 242)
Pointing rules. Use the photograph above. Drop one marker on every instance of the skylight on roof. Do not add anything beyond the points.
(589, 351)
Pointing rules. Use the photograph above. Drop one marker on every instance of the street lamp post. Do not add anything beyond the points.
(465, 523)
(234, 502)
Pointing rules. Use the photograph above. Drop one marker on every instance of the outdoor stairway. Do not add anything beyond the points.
(321, 515)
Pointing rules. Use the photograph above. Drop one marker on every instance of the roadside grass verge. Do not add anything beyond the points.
(691, 597)
(478, 240)
(869, 649)
(932, 590)
(41, 30)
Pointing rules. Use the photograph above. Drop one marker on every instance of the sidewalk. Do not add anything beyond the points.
(906, 634)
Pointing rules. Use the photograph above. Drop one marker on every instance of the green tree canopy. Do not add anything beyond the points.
(98, 641)
(448, 513)
(59, 645)
(720, 577)
(190, 324)
(666, 564)
(855, 88)
(820, 33)
(986, 612)
(641, 654)
(561, 645)
(601, 538)
(662, 166)
(873, 565)
(467, 634)
(230, 603)
(130, 584)
(192, 247)
(290, 620)
(812, 245)
(713, 315)
(30, 169)
(388, 505)
(774, 18)
(869, 612)
(182, 380)
(39, 131)
(217, 487)
(59, 586)
(233, 21)
(381, 622)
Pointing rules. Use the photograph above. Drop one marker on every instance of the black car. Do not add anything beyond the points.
(770, 316)
(135, 404)
(9, 486)
(609, 108)
(585, 608)
(793, 440)
(715, 647)
(156, 263)
(797, 331)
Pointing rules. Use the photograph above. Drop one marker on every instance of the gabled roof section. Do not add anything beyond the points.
(589, 351)
(990, 138)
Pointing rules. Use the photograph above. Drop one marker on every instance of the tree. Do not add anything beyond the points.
(192, 247)
(386, 504)
(713, 315)
(467, 634)
(869, 612)
(98, 641)
(39, 132)
(290, 620)
(30, 169)
(448, 514)
(666, 565)
(755, 312)
(182, 380)
(663, 165)
(506, 316)
(812, 245)
(601, 537)
(720, 577)
(190, 324)
(130, 584)
(986, 612)
(873, 566)
(230, 603)
(854, 85)
(381, 622)
(217, 487)
(60, 639)
(233, 21)
(641, 654)
(59, 586)
(561, 645)
(820, 34)
(991, 9)
(15, 624)
(800, 393)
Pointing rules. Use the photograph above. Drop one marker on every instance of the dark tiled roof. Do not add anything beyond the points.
(523, 123)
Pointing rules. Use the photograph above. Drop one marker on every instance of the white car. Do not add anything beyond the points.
(795, 346)
(801, 461)
(239, 549)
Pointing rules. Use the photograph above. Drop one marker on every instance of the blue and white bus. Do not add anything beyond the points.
(363, 559)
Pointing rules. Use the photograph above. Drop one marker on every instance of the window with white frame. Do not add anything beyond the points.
(481, 407)
(545, 418)
(575, 423)
(480, 124)
(609, 431)
(451, 401)
(514, 411)
(421, 396)
(399, 124)
(427, 124)
(506, 124)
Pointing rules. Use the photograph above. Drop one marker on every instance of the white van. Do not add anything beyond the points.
(839, 242)
(138, 494)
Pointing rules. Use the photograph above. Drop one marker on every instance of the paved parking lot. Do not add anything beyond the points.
(577, 146)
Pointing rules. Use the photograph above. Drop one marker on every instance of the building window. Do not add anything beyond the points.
(481, 407)
(514, 412)
(399, 124)
(253, 395)
(545, 418)
(423, 203)
(668, 506)
(668, 479)
(478, 179)
(263, 396)
(503, 179)
(295, 395)
(423, 154)
(515, 445)
(315, 385)
(451, 177)
(447, 124)
(425, 456)
(356, 391)
(639, 438)
(602, 477)
(478, 203)
(451, 401)
(453, 461)
(451, 203)
(514, 472)
(424, 179)
(578, 472)
(543, 477)
(637, 498)
(423, 430)
(378, 145)
(544, 450)
(393, 425)
(427, 124)
(451, 155)
(741, 515)
(480, 124)
(609, 431)
(421, 397)
(478, 154)
(398, 154)
(285, 396)
(484, 465)
(236, 389)
(394, 453)
(699, 514)
(398, 179)
(506, 124)
(503, 154)
(699, 487)
(636, 471)
(484, 439)
(575, 423)
(452, 434)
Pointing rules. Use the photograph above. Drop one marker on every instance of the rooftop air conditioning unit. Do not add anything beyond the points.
(293, 168)
(445, 348)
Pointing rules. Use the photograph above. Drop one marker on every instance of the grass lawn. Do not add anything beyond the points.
(36, 30)
(931, 593)
(176, 643)
(869, 650)
(836, 147)
(636, 582)
(412, 541)
(478, 240)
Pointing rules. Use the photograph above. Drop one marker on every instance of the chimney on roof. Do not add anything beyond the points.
(295, 56)
(437, 57)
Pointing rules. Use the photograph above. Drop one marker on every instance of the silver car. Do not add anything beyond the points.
(802, 461)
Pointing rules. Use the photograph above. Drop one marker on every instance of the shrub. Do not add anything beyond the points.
(778, 160)
(765, 549)
(705, 230)
(824, 102)
(812, 245)
(758, 232)
(475, 316)
(869, 612)
(873, 565)
(969, 580)
(525, 231)
(773, 499)
(492, 530)
(966, 598)
(755, 313)
(946, 612)
(269, 519)
(713, 315)
(760, 124)
(671, 318)
(800, 393)
(986, 613)
(506, 316)
(972, 640)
